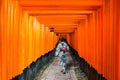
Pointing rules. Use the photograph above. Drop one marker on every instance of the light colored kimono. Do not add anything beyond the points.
(62, 55)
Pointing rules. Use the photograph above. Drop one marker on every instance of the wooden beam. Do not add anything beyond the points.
(62, 7)
(63, 31)
(60, 20)
(61, 2)
(59, 12)
(62, 27)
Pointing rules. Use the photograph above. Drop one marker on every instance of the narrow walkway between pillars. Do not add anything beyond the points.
(53, 72)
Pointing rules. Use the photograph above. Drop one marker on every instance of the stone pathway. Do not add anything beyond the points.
(53, 72)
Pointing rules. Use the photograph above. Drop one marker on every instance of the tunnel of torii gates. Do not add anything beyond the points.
(92, 27)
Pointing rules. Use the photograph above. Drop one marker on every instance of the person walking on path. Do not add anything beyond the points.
(60, 53)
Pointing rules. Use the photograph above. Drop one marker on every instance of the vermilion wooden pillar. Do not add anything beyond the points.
(30, 27)
(118, 38)
(1, 4)
(118, 49)
(68, 38)
(3, 37)
(109, 40)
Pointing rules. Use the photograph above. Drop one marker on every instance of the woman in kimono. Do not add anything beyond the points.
(61, 50)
